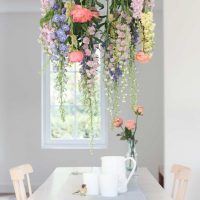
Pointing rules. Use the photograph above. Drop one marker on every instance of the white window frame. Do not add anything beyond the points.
(47, 142)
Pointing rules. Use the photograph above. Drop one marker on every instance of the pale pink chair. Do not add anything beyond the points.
(181, 178)
(18, 175)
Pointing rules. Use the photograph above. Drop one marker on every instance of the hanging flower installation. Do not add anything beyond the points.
(72, 31)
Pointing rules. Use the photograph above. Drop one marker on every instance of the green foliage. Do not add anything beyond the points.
(49, 15)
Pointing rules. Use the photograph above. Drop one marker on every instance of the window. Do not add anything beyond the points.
(73, 132)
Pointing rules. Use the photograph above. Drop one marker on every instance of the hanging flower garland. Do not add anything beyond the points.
(72, 32)
(129, 37)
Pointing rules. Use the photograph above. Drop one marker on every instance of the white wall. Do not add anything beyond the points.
(20, 103)
(182, 86)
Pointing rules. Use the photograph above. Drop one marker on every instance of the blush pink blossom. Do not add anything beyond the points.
(138, 109)
(80, 14)
(142, 57)
(118, 122)
(130, 124)
(76, 56)
(87, 52)
(86, 40)
(91, 30)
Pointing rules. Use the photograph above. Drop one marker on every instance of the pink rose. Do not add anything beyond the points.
(139, 110)
(130, 124)
(142, 57)
(118, 122)
(76, 56)
(80, 14)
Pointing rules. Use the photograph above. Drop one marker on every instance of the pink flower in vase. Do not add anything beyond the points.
(130, 124)
(118, 122)
(76, 56)
(139, 110)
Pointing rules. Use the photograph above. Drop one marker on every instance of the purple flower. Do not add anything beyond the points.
(56, 18)
(65, 27)
(135, 35)
(62, 18)
(60, 32)
(63, 10)
(56, 6)
(54, 48)
(62, 38)
(63, 48)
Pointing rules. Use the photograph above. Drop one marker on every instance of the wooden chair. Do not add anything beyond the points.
(181, 177)
(18, 175)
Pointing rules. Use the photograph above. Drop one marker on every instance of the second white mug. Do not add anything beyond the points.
(92, 183)
(108, 185)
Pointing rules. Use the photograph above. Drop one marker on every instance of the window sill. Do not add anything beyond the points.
(75, 144)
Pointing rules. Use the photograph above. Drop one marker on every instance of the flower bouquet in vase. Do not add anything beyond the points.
(129, 129)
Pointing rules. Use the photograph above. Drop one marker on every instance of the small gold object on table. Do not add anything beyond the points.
(82, 191)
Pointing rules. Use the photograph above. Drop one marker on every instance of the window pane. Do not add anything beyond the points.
(76, 124)
(83, 123)
(60, 129)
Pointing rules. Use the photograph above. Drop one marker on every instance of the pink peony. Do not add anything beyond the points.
(118, 122)
(139, 110)
(130, 124)
(80, 14)
(142, 57)
(76, 56)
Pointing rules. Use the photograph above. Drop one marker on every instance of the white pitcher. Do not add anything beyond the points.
(117, 165)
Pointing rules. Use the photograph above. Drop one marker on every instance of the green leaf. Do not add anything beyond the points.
(49, 15)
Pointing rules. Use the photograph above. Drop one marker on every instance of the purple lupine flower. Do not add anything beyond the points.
(56, 6)
(63, 38)
(137, 6)
(135, 35)
(63, 48)
(63, 10)
(62, 18)
(65, 27)
(54, 49)
(56, 18)
(60, 32)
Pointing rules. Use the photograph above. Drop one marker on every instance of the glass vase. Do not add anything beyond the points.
(131, 153)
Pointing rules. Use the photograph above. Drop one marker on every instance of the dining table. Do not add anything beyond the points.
(65, 181)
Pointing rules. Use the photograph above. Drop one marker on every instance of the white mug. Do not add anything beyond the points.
(117, 165)
(108, 185)
(91, 180)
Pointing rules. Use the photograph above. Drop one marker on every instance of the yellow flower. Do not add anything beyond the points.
(148, 31)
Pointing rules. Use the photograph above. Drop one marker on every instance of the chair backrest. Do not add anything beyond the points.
(18, 174)
(181, 178)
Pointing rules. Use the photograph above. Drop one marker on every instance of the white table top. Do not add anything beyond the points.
(56, 186)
